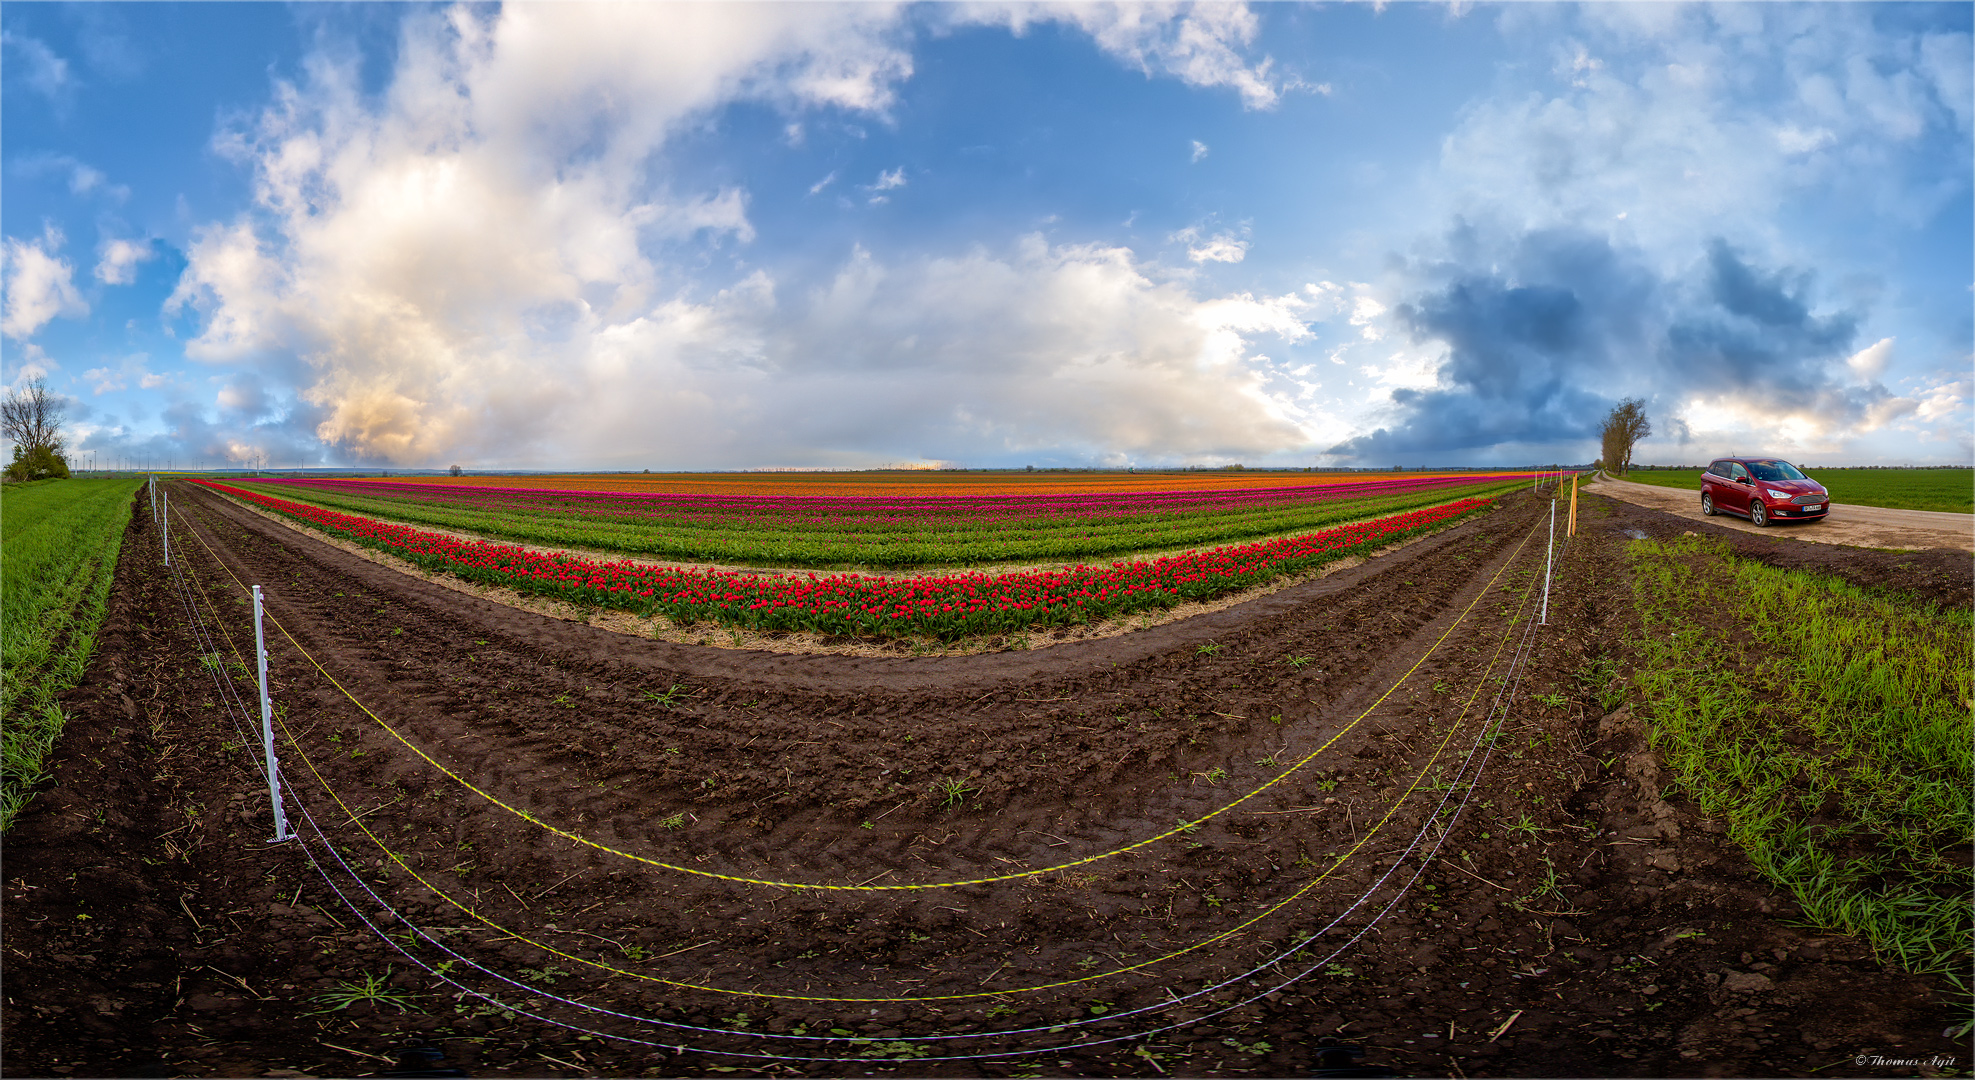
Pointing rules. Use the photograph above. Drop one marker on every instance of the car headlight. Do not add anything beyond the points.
(1775, 494)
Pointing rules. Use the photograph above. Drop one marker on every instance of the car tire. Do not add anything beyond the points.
(1707, 504)
(1758, 514)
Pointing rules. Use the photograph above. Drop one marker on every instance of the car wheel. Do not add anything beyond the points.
(1707, 503)
(1758, 514)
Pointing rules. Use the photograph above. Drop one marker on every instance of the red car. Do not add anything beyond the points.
(1762, 490)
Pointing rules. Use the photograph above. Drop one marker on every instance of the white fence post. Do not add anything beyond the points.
(1548, 560)
(267, 730)
(165, 521)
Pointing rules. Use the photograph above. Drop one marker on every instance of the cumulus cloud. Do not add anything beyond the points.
(1539, 340)
(370, 255)
(1669, 116)
(1870, 362)
(1620, 233)
(1199, 151)
(1202, 45)
(118, 265)
(40, 285)
(1072, 349)
(1220, 247)
(570, 331)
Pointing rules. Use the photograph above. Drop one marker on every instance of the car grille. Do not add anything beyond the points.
(1806, 500)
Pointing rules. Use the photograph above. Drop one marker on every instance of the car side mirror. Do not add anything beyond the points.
(1743, 480)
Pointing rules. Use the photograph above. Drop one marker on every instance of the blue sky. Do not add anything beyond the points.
(737, 235)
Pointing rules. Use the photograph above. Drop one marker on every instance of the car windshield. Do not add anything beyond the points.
(1775, 470)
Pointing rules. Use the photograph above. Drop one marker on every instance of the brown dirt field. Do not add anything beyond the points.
(1561, 919)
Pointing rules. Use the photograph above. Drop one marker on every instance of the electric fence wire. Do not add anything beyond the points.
(1177, 830)
(1209, 989)
(1497, 712)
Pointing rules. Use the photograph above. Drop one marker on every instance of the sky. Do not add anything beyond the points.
(714, 236)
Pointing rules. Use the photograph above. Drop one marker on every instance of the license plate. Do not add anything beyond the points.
(1813, 508)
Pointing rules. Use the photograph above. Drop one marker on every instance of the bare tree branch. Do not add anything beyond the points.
(32, 417)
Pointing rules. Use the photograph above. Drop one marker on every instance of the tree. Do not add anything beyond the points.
(1622, 430)
(31, 418)
(456, 470)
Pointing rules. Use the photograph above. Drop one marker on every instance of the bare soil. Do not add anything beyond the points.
(1572, 922)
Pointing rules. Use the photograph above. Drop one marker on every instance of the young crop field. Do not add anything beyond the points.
(1830, 729)
(1456, 807)
(58, 547)
(742, 524)
(1946, 490)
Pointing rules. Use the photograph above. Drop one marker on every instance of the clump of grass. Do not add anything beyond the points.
(58, 553)
(952, 791)
(375, 989)
(1829, 728)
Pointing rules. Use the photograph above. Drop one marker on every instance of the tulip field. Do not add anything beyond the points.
(746, 521)
(943, 606)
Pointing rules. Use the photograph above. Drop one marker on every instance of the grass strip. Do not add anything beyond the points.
(58, 554)
(1830, 728)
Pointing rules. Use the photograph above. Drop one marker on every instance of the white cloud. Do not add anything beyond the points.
(104, 380)
(1220, 247)
(569, 332)
(40, 286)
(46, 74)
(1870, 362)
(1794, 140)
(1365, 313)
(1070, 347)
(1199, 150)
(370, 255)
(1667, 112)
(118, 265)
(1199, 44)
(817, 187)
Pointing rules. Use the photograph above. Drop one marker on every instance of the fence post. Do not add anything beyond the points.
(165, 531)
(1548, 559)
(1572, 531)
(267, 730)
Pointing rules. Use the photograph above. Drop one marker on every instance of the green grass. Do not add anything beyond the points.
(1948, 490)
(1829, 728)
(58, 551)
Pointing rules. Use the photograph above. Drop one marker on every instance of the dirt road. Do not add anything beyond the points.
(1856, 526)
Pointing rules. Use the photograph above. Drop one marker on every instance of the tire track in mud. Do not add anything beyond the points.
(1116, 742)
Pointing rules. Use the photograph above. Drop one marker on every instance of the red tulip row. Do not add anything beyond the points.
(947, 606)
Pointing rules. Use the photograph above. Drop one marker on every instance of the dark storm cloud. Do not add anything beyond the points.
(1544, 337)
(1754, 333)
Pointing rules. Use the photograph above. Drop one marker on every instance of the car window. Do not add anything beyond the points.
(1736, 471)
(1719, 468)
(1775, 470)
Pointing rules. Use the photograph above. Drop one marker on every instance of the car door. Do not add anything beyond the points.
(1740, 488)
(1713, 480)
